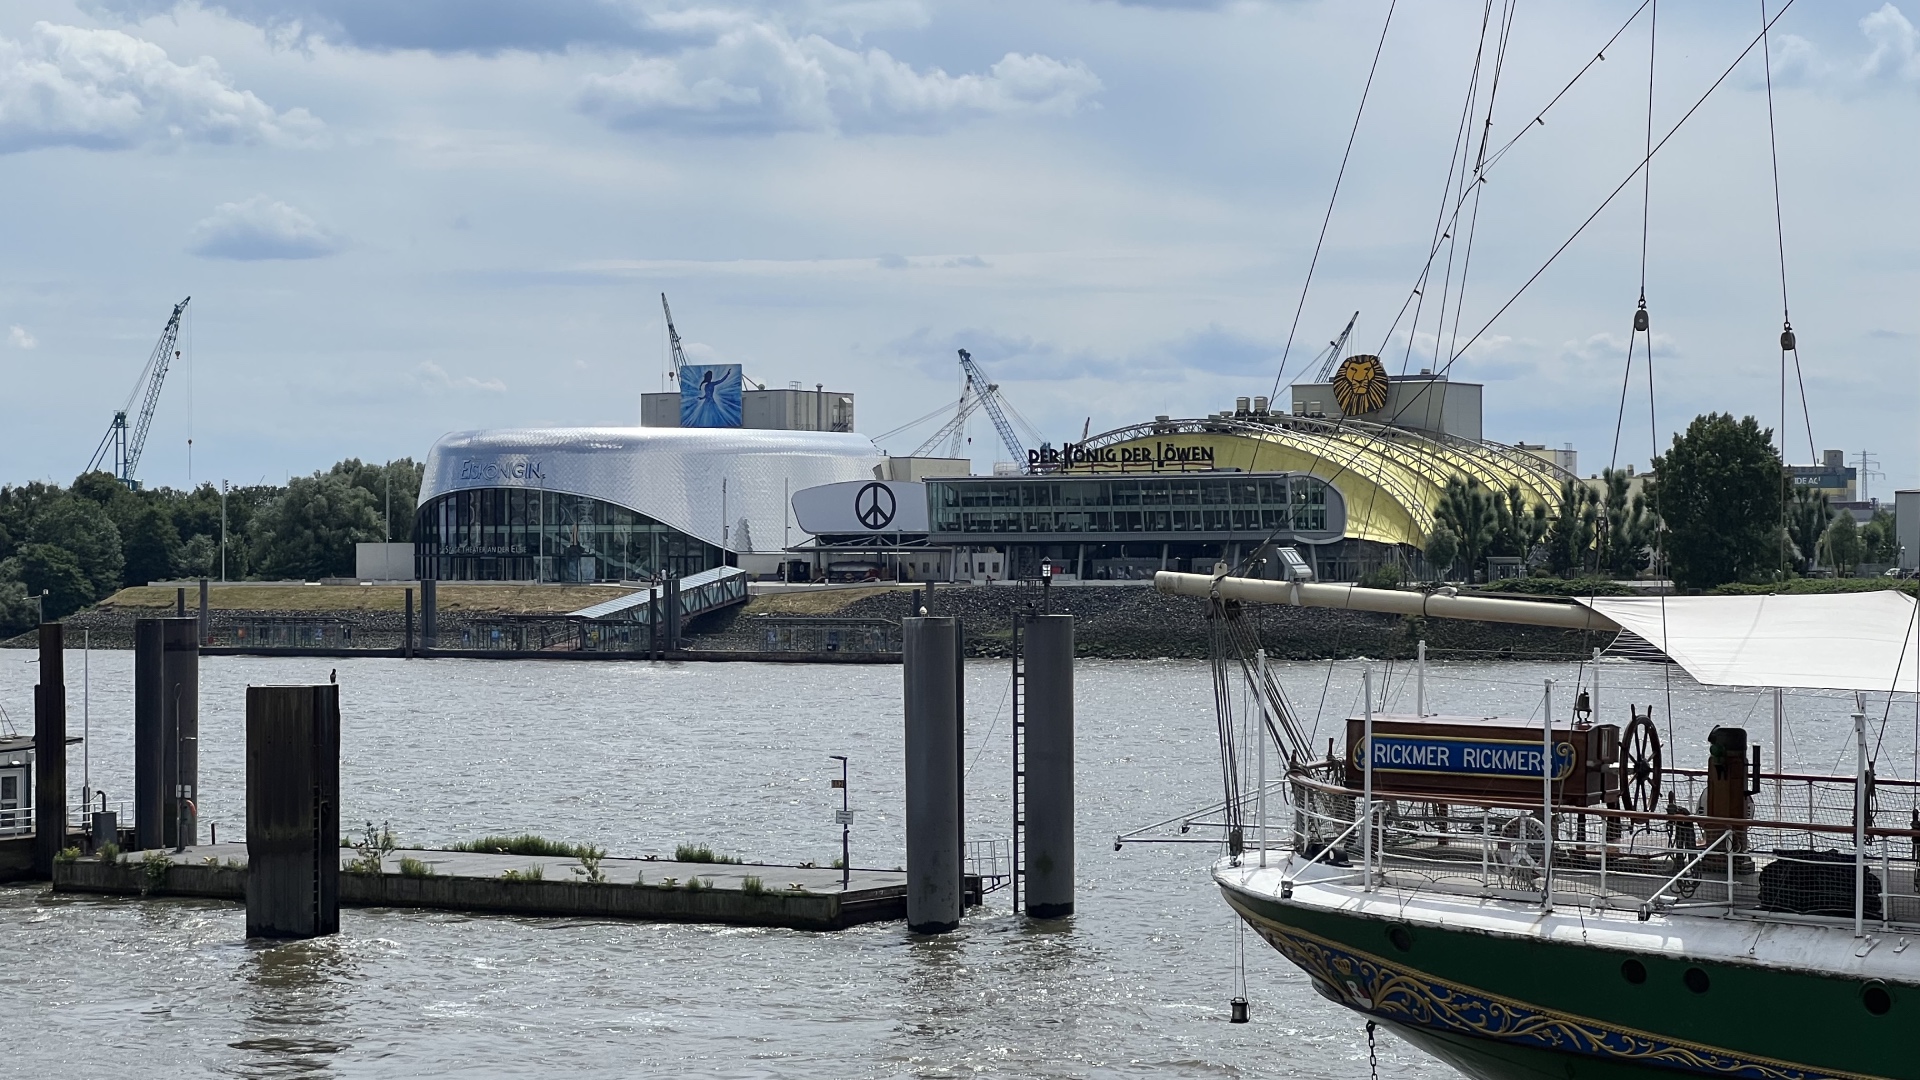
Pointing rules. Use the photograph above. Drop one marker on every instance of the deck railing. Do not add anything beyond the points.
(1858, 872)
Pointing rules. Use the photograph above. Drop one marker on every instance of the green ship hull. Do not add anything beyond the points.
(1505, 1006)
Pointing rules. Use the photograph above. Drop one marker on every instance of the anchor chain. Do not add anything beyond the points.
(1373, 1059)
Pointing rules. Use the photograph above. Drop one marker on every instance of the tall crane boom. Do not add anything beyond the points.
(969, 402)
(1334, 347)
(679, 358)
(990, 400)
(122, 445)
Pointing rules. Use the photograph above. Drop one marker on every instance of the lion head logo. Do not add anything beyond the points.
(1360, 385)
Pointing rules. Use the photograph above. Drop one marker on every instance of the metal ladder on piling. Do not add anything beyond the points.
(1017, 868)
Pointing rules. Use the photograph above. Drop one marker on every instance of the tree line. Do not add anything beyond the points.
(1719, 507)
(73, 546)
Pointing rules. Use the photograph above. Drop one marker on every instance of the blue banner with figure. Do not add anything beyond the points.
(1464, 757)
(710, 395)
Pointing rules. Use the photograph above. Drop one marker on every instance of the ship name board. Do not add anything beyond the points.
(1464, 757)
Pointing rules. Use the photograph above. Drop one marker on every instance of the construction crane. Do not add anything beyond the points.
(679, 357)
(1334, 348)
(976, 393)
(120, 447)
(991, 401)
(969, 404)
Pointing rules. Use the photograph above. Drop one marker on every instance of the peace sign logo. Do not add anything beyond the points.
(874, 505)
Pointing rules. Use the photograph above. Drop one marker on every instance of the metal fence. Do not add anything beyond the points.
(1822, 868)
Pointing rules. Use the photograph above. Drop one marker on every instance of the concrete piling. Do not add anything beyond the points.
(935, 884)
(293, 811)
(180, 732)
(50, 750)
(149, 810)
(1048, 641)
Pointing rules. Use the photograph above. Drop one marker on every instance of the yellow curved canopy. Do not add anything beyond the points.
(1391, 478)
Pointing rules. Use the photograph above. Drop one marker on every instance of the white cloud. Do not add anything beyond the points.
(103, 89)
(1892, 58)
(18, 337)
(1896, 46)
(262, 229)
(758, 77)
(431, 376)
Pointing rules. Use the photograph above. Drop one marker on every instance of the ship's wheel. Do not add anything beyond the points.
(1640, 766)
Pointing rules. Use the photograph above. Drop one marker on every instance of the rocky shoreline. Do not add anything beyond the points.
(1114, 622)
(1137, 623)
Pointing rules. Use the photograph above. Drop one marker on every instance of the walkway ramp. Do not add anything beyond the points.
(709, 590)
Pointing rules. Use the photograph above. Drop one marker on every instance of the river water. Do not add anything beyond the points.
(638, 757)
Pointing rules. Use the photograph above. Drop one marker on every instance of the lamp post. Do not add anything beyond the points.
(1046, 585)
(39, 604)
(845, 817)
(223, 532)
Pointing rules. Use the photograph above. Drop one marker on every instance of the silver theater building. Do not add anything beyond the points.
(630, 503)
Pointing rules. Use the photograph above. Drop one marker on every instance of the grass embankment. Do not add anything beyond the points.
(489, 599)
(813, 602)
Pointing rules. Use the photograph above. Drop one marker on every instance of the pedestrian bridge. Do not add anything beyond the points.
(709, 590)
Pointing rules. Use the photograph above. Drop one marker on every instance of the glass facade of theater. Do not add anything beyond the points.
(1111, 527)
(516, 534)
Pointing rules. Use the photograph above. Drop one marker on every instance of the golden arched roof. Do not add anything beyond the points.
(1391, 478)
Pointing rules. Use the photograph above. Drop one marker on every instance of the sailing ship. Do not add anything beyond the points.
(1527, 898)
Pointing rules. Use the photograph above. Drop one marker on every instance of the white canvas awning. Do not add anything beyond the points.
(1837, 641)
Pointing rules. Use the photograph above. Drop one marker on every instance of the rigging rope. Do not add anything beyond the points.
(1456, 165)
(1331, 199)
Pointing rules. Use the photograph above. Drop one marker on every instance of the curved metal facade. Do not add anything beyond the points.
(723, 487)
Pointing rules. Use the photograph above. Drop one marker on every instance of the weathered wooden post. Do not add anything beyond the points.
(293, 811)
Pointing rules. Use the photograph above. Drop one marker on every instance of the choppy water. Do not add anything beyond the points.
(638, 757)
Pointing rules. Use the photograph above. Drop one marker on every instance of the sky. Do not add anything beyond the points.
(401, 220)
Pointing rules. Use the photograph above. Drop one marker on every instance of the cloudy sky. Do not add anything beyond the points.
(398, 220)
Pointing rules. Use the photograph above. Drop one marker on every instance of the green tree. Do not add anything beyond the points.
(1842, 546)
(1571, 535)
(394, 486)
(1629, 528)
(1718, 491)
(54, 570)
(1443, 547)
(310, 531)
(1518, 526)
(1879, 539)
(200, 557)
(151, 545)
(81, 527)
(1467, 509)
(16, 603)
(1808, 514)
